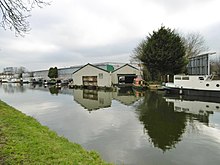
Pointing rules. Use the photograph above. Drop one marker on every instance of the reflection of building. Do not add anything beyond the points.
(125, 95)
(96, 99)
(92, 99)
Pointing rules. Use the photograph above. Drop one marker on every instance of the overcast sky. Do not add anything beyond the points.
(76, 32)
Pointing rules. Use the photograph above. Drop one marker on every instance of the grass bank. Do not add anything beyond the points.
(23, 140)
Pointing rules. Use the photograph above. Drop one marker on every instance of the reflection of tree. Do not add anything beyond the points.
(54, 90)
(163, 125)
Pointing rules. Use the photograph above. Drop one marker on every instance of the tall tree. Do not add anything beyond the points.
(53, 72)
(15, 13)
(162, 53)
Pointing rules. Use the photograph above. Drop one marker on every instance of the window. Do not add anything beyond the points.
(100, 75)
(185, 78)
(217, 85)
(177, 108)
(201, 78)
(185, 109)
(177, 78)
(207, 85)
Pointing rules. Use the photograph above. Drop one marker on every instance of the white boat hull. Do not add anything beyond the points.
(194, 85)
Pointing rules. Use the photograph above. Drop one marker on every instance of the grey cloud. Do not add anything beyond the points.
(212, 38)
(110, 49)
(173, 6)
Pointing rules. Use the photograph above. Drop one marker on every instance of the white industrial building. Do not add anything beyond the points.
(90, 75)
(125, 74)
(104, 74)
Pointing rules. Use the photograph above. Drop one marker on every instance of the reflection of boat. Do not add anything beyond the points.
(14, 80)
(4, 80)
(194, 85)
(26, 80)
(140, 84)
(198, 107)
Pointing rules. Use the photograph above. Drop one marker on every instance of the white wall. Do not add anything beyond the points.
(90, 70)
(124, 70)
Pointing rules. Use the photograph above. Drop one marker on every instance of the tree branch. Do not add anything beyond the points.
(16, 12)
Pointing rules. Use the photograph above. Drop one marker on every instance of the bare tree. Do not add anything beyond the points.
(215, 65)
(194, 44)
(15, 13)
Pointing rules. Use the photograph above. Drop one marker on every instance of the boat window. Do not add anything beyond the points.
(217, 107)
(185, 78)
(201, 78)
(177, 78)
(177, 108)
(185, 109)
(217, 85)
(207, 85)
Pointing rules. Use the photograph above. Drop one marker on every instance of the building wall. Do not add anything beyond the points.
(41, 74)
(103, 77)
(66, 73)
(199, 65)
(126, 69)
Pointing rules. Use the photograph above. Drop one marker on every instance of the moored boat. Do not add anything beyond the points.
(139, 84)
(195, 85)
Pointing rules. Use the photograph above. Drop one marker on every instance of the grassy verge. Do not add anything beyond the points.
(23, 140)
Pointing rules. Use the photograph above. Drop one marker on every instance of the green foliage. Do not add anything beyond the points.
(53, 72)
(54, 90)
(162, 53)
(24, 141)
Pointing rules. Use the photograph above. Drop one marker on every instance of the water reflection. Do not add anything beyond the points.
(92, 99)
(95, 99)
(13, 88)
(163, 125)
(165, 117)
(53, 90)
(199, 108)
(127, 95)
(116, 130)
(89, 99)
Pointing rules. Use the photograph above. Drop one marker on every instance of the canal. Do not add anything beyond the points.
(126, 126)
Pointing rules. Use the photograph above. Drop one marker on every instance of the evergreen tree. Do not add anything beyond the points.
(162, 53)
(53, 72)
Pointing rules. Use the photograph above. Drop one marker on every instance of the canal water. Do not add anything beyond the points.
(126, 126)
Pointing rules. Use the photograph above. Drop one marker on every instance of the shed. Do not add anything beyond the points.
(125, 74)
(90, 75)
